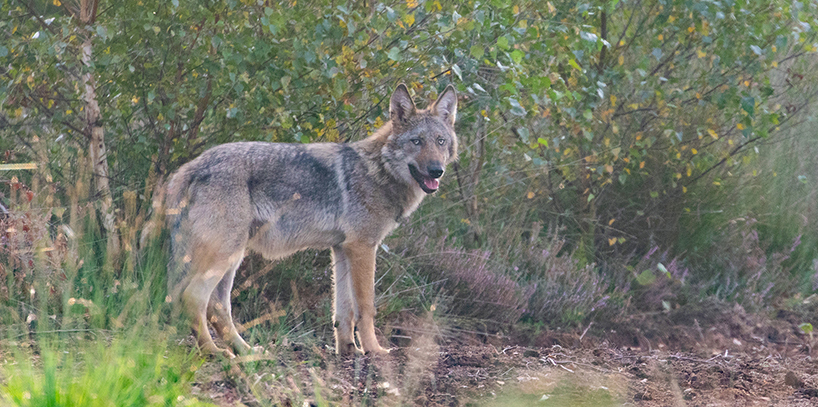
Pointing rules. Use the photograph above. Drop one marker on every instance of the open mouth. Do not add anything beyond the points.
(427, 183)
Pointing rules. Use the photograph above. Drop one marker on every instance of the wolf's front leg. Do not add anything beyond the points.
(361, 257)
(343, 304)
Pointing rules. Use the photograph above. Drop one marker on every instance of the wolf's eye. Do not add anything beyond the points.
(441, 141)
(415, 141)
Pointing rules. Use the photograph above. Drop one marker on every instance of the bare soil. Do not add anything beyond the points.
(734, 359)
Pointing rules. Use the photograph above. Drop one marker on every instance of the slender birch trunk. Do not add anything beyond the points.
(94, 130)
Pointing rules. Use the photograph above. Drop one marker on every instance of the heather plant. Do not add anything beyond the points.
(563, 292)
(469, 282)
(746, 271)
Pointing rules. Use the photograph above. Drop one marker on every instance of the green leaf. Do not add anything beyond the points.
(574, 64)
(806, 327)
(646, 278)
(516, 108)
(748, 103)
(477, 51)
(394, 54)
(502, 42)
(517, 56)
(456, 70)
(523, 132)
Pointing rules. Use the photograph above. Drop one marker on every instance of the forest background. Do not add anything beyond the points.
(619, 158)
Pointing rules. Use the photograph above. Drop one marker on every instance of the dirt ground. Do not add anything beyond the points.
(734, 360)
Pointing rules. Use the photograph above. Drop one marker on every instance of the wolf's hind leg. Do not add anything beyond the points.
(221, 316)
(343, 304)
(197, 295)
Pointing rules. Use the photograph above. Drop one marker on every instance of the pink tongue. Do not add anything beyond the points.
(431, 183)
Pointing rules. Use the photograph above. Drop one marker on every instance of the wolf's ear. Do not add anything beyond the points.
(446, 105)
(401, 106)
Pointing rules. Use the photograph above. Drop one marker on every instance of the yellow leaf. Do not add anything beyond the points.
(611, 241)
(698, 95)
(18, 112)
(691, 29)
(740, 126)
(609, 168)
(671, 19)
(515, 9)
(621, 59)
(660, 37)
(694, 151)
(411, 3)
(530, 195)
(613, 100)
(409, 19)
(689, 171)
(641, 165)
(775, 64)
(774, 48)
(684, 190)
(701, 53)
(610, 222)
(551, 8)
(466, 221)
(678, 175)
(712, 134)
(57, 3)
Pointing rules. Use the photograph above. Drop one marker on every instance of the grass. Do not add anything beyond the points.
(138, 368)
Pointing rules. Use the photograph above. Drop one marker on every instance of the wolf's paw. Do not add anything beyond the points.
(215, 352)
(379, 351)
(349, 350)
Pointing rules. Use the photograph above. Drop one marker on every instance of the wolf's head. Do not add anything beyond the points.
(422, 141)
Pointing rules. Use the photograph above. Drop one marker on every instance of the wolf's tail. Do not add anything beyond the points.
(177, 205)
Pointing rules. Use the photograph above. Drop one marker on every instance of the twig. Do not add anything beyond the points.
(585, 331)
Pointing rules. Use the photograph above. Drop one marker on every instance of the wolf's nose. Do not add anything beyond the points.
(435, 171)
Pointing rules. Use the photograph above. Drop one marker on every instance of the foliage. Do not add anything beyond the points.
(628, 124)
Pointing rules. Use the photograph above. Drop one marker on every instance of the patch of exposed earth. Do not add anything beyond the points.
(721, 367)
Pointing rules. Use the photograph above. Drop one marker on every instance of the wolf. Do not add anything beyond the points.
(277, 199)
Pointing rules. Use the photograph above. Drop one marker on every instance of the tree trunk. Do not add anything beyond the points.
(94, 131)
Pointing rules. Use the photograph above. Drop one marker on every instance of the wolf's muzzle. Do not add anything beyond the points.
(435, 170)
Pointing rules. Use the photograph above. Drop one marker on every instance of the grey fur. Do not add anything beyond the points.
(277, 199)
